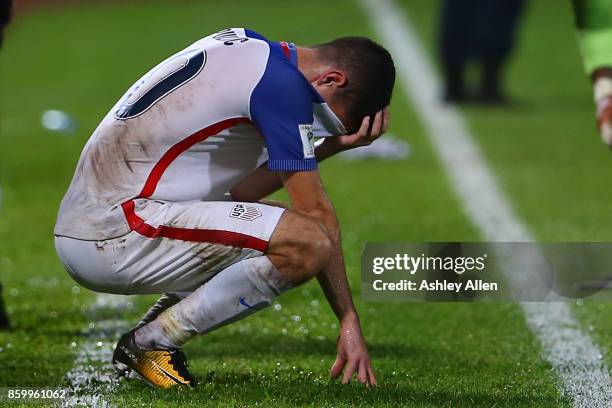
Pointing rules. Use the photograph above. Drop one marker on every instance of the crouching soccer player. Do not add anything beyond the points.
(167, 193)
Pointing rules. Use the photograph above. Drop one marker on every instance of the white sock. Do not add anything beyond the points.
(234, 293)
(164, 302)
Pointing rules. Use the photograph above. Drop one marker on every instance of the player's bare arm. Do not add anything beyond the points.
(308, 197)
(263, 182)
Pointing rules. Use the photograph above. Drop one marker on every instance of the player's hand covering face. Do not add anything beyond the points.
(353, 357)
(368, 132)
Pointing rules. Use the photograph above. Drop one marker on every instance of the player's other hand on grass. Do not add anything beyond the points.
(604, 120)
(370, 130)
(353, 357)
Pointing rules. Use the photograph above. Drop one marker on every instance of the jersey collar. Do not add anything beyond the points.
(326, 122)
(290, 51)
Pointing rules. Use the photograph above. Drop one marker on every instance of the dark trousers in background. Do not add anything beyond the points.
(479, 30)
(5, 17)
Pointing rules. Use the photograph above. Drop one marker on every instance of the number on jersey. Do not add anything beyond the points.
(166, 78)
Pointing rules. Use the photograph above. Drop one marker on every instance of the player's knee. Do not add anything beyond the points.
(314, 249)
(302, 245)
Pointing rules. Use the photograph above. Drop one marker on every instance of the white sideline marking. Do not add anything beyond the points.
(572, 353)
(92, 378)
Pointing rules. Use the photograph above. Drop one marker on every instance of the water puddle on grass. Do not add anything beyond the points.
(93, 379)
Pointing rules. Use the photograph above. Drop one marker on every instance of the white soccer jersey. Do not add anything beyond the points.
(194, 126)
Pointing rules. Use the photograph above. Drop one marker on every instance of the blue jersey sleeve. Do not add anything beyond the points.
(281, 107)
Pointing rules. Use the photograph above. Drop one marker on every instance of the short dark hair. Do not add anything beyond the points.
(370, 71)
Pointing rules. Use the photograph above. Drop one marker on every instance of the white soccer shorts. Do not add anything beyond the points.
(173, 247)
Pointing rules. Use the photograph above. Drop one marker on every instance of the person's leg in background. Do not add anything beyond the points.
(496, 39)
(5, 18)
(455, 45)
(4, 319)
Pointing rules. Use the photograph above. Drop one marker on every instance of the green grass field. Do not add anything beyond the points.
(545, 152)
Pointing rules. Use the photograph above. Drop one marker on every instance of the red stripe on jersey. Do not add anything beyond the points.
(137, 224)
(172, 153)
(286, 49)
(230, 238)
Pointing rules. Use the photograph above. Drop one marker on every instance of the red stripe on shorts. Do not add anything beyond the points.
(137, 224)
(230, 238)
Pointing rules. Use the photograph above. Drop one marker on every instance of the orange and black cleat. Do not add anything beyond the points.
(160, 368)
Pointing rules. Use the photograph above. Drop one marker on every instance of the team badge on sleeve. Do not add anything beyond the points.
(307, 136)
